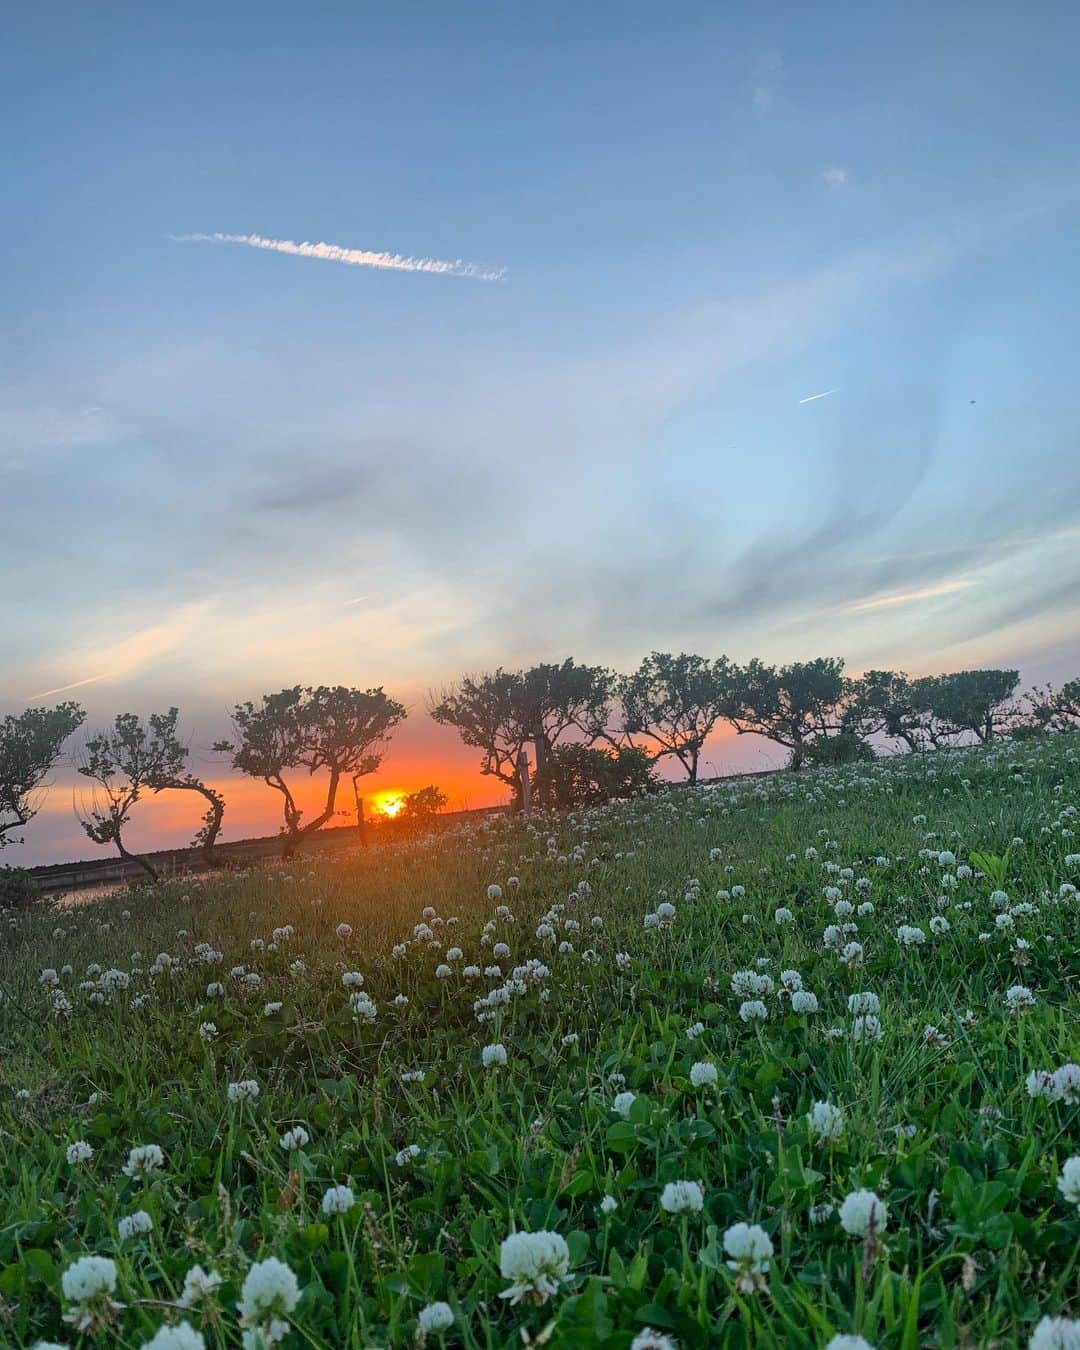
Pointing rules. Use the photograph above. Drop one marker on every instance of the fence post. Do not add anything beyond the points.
(523, 775)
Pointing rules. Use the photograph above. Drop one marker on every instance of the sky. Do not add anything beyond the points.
(743, 328)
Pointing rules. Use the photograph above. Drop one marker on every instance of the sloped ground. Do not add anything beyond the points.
(776, 1061)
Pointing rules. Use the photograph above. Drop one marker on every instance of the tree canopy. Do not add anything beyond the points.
(30, 746)
(336, 729)
(675, 702)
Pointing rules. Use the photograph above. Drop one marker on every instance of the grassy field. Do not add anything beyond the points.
(645, 970)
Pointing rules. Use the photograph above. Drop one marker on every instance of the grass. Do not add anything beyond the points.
(979, 1241)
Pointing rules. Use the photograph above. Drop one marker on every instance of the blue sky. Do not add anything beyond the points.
(210, 452)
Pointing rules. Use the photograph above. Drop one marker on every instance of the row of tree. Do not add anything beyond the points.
(595, 735)
(670, 706)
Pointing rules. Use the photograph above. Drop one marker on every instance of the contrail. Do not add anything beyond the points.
(355, 257)
(48, 693)
(812, 398)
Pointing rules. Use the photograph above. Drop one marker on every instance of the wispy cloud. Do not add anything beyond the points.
(63, 688)
(907, 597)
(813, 398)
(835, 177)
(354, 257)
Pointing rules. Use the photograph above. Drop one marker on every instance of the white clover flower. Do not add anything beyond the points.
(939, 925)
(791, 980)
(493, 1056)
(338, 1200)
(270, 1290)
(849, 1343)
(608, 1205)
(182, 1336)
(79, 1152)
(405, 1156)
(909, 936)
(207, 1031)
(753, 1010)
(1069, 1181)
(703, 1074)
(143, 1160)
(537, 1263)
(865, 1002)
(88, 1285)
(215, 990)
(804, 1001)
(1018, 997)
(199, 1286)
(435, 1317)
(295, 1138)
(344, 931)
(443, 972)
(863, 1213)
(622, 1104)
(652, 920)
(1055, 1333)
(246, 1090)
(363, 1006)
(783, 915)
(750, 1250)
(1067, 1084)
(682, 1197)
(647, 1339)
(132, 1225)
(272, 1009)
(825, 1120)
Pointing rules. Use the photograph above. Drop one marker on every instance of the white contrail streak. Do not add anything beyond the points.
(355, 257)
(62, 689)
(812, 398)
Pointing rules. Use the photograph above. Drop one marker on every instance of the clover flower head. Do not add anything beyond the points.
(536, 1263)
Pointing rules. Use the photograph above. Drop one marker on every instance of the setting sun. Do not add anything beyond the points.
(389, 803)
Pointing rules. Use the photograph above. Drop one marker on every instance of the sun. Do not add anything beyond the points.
(389, 803)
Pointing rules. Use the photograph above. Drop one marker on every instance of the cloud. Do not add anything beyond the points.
(907, 597)
(132, 655)
(835, 177)
(354, 257)
(767, 77)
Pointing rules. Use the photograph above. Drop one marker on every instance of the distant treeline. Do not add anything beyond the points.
(594, 734)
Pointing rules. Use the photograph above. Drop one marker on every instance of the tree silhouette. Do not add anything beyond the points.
(30, 745)
(318, 728)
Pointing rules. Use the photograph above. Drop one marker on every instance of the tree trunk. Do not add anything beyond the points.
(144, 863)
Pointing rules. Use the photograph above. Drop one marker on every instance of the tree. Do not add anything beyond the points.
(884, 702)
(675, 702)
(976, 701)
(576, 774)
(791, 704)
(419, 809)
(132, 758)
(1055, 709)
(318, 728)
(501, 712)
(30, 745)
